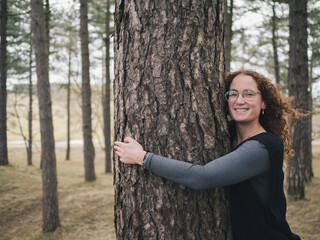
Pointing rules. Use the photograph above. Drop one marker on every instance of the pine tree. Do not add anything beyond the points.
(169, 86)
(50, 209)
(298, 79)
(86, 94)
(3, 84)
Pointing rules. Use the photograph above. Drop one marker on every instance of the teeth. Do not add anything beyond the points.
(241, 110)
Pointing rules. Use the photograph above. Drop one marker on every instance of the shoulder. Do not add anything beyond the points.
(272, 143)
(268, 138)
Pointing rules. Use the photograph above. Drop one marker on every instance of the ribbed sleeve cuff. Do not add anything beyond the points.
(147, 164)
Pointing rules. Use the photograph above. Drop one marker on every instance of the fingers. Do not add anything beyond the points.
(117, 149)
(118, 153)
(128, 139)
(120, 144)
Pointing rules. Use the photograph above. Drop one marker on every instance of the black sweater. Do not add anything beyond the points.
(252, 219)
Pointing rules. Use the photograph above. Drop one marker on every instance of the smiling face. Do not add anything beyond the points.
(243, 111)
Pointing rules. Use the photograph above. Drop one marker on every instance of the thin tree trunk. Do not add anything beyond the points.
(47, 27)
(169, 64)
(68, 105)
(30, 108)
(86, 94)
(275, 45)
(3, 84)
(309, 170)
(106, 104)
(228, 33)
(47, 17)
(299, 89)
(50, 209)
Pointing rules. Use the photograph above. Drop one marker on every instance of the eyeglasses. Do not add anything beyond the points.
(247, 95)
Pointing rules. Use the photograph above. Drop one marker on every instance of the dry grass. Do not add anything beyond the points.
(86, 209)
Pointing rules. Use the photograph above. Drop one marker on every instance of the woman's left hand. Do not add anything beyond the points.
(129, 151)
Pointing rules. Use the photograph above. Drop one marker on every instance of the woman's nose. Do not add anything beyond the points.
(240, 99)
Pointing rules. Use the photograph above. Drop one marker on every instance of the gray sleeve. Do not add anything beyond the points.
(249, 160)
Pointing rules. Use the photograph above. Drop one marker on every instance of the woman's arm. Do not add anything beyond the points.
(248, 160)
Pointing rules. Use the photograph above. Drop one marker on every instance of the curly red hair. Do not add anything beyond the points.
(278, 108)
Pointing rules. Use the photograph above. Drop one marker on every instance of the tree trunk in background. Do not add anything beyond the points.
(48, 158)
(3, 84)
(86, 94)
(47, 27)
(309, 170)
(106, 102)
(274, 44)
(30, 108)
(47, 17)
(68, 104)
(169, 95)
(298, 81)
(228, 33)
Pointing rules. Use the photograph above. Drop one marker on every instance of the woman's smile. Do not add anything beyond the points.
(241, 109)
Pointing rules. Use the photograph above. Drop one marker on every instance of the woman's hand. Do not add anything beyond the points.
(129, 151)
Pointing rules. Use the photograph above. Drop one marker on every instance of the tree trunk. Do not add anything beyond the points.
(30, 108)
(299, 88)
(47, 27)
(275, 45)
(68, 104)
(106, 102)
(228, 33)
(47, 17)
(169, 95)
(309, 171)
(50, 211)
(86, 94)
(3, 84)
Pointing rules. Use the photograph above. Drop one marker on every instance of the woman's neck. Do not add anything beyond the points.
(245, 131)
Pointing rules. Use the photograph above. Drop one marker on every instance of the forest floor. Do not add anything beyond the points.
(86, 209)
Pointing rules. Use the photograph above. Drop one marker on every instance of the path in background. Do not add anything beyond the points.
(75, 142)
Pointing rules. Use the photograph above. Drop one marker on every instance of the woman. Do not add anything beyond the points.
(253, 170)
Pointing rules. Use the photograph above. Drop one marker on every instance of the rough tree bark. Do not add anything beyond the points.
(106, 101)
(86, 94)
(298, 82)
(3, 84)
(228, 33)
(50, 210)
(169, 96)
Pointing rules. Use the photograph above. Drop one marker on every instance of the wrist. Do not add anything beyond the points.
(142, 158)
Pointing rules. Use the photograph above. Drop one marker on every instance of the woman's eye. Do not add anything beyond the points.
(249, 93)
